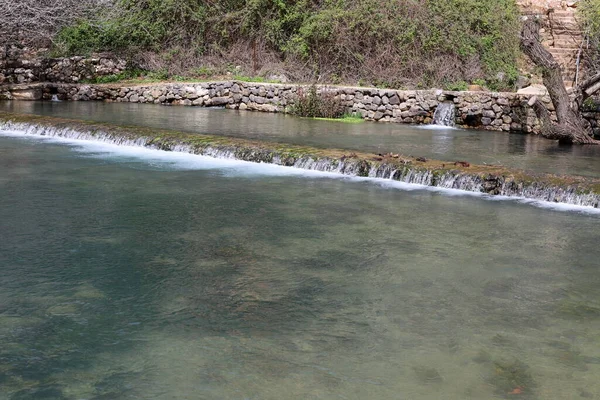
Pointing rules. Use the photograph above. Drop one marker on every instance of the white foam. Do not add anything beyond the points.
(437, 127)
(171, 159)
(232, 167)
(547, 204)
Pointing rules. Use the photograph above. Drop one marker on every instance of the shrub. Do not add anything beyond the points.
(317, 105)
(396, 43)
(589, 11)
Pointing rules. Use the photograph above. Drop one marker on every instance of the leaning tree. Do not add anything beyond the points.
(570, 127)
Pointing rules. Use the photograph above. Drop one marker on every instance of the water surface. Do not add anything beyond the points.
(131, 274)
(480, 147)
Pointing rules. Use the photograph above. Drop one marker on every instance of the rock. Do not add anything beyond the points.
(134, 98)
(475, 88)
(27, 94)
(281, 78)
(538, 90)
(522, 81)
(219, 101)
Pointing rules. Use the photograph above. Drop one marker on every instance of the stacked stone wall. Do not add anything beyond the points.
(19, 66)
(482, 110)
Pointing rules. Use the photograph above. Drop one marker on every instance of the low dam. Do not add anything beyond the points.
(460, 175)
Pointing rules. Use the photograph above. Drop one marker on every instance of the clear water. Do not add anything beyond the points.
(131, 274)
(513, 150)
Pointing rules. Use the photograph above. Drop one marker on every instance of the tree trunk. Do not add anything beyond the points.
(571, 126)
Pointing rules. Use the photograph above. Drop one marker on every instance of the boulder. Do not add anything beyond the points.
(537, 90)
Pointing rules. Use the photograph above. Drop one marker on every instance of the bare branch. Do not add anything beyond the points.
(36, 21)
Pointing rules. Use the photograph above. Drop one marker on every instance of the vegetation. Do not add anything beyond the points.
(589, 11)
(570, 125)
(346, 118)
(318, 105)
(35, 22)
(398, 43)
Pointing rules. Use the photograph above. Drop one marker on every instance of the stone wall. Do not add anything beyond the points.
(482, 110)
(20, 65)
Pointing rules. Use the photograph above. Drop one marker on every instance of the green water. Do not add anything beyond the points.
(131, 274)
(527, 152)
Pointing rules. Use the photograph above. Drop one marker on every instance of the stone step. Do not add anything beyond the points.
(562, 50)
(568, 38)
(564, 13)
(566, 43)
(560, 28)
(560, 19)
(564, 22)
(566, 32)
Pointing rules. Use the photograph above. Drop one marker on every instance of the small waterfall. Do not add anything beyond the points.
(55, 98)
(445, 114)
(448, 179)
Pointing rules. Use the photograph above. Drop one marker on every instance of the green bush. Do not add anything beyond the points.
(394, 43)
(589, 11)
(137, 24)
(457, 86)
(317, 105)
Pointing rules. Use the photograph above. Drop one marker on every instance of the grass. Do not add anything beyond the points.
(346, 118)
(257, 79)
(144, 77)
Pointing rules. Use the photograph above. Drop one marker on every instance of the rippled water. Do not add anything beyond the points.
(513, 150)
(132, 274)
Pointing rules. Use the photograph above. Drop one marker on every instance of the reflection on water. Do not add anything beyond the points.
(125, 280)
(513, 150)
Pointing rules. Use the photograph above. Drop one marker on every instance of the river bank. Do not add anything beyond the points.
(505, 112)
(461, 175)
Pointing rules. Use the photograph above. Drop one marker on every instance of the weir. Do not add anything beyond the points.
(406, 171)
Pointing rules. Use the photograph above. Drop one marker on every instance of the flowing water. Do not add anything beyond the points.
(478, 147)
(134, 274)
(445, 114)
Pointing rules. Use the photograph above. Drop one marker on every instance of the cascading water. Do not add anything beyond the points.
(55, 98)
(445, 114)
(449, 179)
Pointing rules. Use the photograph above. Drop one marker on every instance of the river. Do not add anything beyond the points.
(129, 273)
(528, 152)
